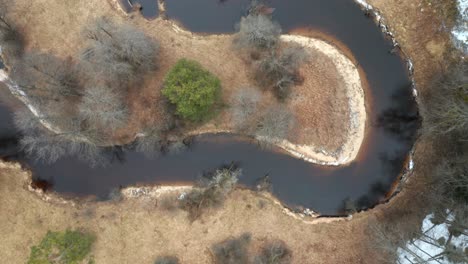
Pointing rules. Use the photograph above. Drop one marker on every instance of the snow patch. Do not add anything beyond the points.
(431, 243)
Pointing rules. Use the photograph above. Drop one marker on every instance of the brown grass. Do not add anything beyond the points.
(320, 105)
(136, 231)
(55, 26)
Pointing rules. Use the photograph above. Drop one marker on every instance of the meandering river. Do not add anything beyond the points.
(391, 108)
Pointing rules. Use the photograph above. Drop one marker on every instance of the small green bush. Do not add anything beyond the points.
(192, 89)
(69, 247)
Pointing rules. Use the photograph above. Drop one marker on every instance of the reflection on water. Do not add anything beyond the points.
(402, 118)
(393, 122)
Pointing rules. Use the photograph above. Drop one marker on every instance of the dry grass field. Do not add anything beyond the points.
(139, 230)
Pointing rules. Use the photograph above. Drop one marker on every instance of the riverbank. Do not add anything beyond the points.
(137, 231)
(325, 101)
(140, 227)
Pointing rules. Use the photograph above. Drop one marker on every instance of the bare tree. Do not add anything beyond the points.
(46, 146)
(210, 192)
(280, 72)
(274, 125)
(387, 239)
(275, 66)
(244, 105)
(451, 180)
(257, 31)
(400, 245)
(47, 78)
(153, 141)
(446, 110)
(84, 101)
(149, 144)
(103, 107)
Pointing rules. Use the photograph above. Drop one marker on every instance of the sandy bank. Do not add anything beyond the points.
(356, 104)
(234, 74)
(356, 121)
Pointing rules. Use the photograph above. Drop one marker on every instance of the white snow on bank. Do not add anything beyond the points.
(460, 32)
(364, 4)
(423, 249)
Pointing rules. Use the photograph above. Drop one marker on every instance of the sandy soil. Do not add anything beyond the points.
(323, 105)
(138, 230)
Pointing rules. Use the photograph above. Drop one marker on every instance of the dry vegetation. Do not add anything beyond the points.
(136, 230)
(139, 230)
(140, 107)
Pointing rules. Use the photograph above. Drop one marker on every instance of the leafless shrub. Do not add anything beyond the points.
(257, 31)
(119, 50)
(88, 152)
(44, 145)
(83, 102)
(451, 180)
(232, 251)
(274, 125)
(103, 107)
(389, 238)
(447, 109)
(210, 192)
(280, 72)
(264, 184)
(49, 82)
(277, 67)
(150, 143)
(37, 140)
(167, 260)
(244, 105)
(176, 147)
(275, 252)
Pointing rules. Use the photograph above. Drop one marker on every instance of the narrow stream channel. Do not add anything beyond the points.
(392, 112)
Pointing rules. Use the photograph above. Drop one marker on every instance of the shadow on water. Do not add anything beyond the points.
(393, 122)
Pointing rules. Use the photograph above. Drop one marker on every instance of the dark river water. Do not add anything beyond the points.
(392, 112)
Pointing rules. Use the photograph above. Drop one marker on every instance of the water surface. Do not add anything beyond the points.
(392, 112)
